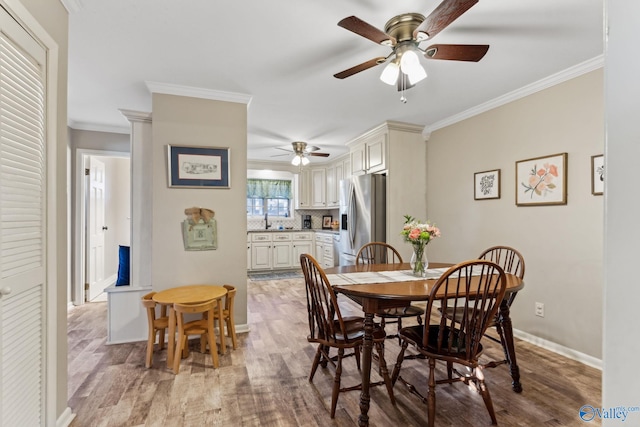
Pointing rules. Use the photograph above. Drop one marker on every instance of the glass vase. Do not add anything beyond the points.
(419, 262)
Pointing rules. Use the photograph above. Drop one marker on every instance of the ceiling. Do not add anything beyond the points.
(282, 54)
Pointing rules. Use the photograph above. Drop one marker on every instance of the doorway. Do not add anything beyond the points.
(103, 209)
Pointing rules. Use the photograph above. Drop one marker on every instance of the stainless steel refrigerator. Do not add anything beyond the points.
(363, 216)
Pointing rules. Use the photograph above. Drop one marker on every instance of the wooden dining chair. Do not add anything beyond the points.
(512, 262)
(476, 287)
(330, 330)
(227, 316)
(202, 326)
(383, 253)
(157, 325)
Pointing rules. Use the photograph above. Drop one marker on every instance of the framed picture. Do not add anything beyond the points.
(597, 175)
(198, 167)
(542, 181)
(486, 185)
(326, 222)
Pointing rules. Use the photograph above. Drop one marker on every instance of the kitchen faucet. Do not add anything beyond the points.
(266, 221)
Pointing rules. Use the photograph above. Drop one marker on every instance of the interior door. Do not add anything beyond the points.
(96, 228)
(23, 226)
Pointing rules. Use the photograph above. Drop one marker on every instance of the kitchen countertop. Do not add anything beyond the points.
(315, 230)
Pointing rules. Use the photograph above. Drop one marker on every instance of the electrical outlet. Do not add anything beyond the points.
(539, 309)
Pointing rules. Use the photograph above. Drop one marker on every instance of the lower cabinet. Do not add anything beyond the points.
(324, 250)
(278, 250)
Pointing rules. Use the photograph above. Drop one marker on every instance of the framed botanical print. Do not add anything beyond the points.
(486, 185)
(542, 181)
(597, 175)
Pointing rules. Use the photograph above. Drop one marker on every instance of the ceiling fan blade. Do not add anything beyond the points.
(443, 15)
(280, 155)
(283, 149)
(457, 52)
(368, 31)
(318, 154)
(311, 148)
(361, 67)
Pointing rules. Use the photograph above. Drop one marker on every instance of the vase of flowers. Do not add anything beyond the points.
(419, 234)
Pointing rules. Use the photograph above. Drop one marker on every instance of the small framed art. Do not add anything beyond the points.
(486, 185)
(326, 222)
(198, 167)
(597, 175)
(542, 181)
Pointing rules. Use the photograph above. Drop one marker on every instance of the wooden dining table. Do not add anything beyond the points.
(189, 294)
(375, 293)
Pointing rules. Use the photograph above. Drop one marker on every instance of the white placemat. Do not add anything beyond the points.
(380, 276)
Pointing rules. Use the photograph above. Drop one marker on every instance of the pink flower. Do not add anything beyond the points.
(414, 234)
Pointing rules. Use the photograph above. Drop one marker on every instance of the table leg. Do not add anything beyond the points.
(363, 419)
(504, 319)
(172, 337)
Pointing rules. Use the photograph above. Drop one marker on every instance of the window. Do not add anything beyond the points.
(272, 196)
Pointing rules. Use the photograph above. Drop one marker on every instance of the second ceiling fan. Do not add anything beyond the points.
(301, 150)
(404, 33)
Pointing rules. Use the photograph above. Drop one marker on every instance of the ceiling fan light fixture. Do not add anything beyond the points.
(304, 160)
(296, 160)
(390, 73)
(416, 74)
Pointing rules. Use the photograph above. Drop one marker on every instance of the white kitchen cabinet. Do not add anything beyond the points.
(248, 252)
(318, 188)
(278, 250)
(319, 251)
(332, 179)
(324, 249)
(303, 180)
(369, 154)
(260, 255)
(281, 250)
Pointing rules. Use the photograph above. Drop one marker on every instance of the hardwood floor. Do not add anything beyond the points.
(265, 381)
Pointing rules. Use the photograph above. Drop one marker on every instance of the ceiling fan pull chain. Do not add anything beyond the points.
(403, 85)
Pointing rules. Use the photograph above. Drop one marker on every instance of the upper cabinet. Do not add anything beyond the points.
(318, 188)
(369, 153)
(303, 181)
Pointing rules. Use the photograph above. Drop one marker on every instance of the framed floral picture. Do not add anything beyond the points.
(542, 181)
(597, 175)
(486, 185)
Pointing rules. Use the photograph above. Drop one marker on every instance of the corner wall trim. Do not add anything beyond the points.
(196, 92)
(64, 420)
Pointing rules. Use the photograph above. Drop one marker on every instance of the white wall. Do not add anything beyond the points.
(562, 245)
(622, 210)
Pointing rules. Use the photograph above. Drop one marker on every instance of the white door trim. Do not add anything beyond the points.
(82, 156)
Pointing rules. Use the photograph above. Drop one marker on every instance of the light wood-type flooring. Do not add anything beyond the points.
(265, 381)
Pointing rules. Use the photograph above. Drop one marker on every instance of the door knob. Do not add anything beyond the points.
(104, 227)
(5, 291)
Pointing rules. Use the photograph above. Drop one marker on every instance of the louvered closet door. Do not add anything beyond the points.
(22, 227)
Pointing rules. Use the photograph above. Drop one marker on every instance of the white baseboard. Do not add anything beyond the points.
(65, 418)
(559, 349)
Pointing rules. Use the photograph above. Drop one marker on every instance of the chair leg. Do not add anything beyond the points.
(336, 383)
(223, 344)
(484, 391)
(177, 357)
(150, 341)
(356, 350)
(431, 394)
(385, 372)
(213, 347)
(396, 369)
(161, 333)
(316, 362)
(231, 330)
(399, 327)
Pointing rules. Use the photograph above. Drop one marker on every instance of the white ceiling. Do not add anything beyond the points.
(283, 54)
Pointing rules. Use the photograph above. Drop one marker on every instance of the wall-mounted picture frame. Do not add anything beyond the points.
(198, 167)
(486, 185)
(326, 222)
(597, 175)
(542, 181)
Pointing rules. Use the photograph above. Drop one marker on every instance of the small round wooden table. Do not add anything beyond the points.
(190, 294)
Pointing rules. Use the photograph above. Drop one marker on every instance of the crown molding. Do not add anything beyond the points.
(136, 116)
(196, 92)
(554, 79)
(385, 126)
(72, 6)
(94, 127)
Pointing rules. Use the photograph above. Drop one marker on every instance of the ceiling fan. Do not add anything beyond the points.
(404, 33)
(301, 150)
